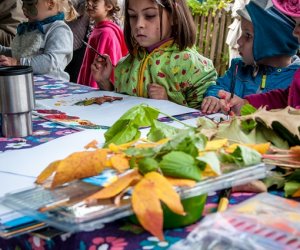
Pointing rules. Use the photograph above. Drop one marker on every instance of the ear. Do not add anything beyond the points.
(51, 4)
(109, 7)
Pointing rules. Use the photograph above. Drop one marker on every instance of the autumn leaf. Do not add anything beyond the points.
(116, 187)
(147, 208)
(79, 165)
(92, 144)
(181, 182)
(165, 192)
(119, 162)
(215, 144)
(47, 172)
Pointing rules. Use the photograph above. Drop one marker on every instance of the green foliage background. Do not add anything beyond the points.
(205, 6)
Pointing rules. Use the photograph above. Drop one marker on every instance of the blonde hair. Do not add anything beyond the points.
(67, 7)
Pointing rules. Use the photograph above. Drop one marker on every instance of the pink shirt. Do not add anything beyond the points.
(107, 38)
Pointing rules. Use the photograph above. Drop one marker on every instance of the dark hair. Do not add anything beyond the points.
(183, 28)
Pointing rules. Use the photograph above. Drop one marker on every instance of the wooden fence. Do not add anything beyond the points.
(212, 31)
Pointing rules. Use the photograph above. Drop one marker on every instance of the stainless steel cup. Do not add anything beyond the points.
(16, 100)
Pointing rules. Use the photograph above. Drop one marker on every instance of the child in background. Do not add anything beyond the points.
(162, 61)
(268, 62)
(45, 42)
(277, 98)
(106, 37)
(11, 15)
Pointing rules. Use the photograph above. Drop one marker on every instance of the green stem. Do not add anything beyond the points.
(176, 120)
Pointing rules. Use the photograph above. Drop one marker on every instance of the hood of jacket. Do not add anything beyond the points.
(273, 32)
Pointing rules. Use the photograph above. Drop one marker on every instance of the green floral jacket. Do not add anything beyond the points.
(185, 74)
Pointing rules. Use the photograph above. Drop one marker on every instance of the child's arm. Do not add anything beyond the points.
(57, 52)
(101, 70)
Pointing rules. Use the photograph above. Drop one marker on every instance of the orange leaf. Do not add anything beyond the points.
(297, 193)
(92, 144)
(119, 162)
(47, 172)
(116, 187)
(147, 208)
(181, 182)
(165, 192)
(79, 165)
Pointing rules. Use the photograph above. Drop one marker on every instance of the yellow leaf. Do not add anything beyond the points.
(147, 208)
(181, 182)
(261, 148)
(165, 192)
(119, 162)
(208, 172)
(116, 187)
(79, 165)
(215, 144)
(47, 172)
(117, 148)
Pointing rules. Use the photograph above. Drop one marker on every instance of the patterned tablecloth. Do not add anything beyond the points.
(119, 235)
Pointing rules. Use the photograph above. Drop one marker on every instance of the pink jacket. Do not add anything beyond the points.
(107, 38)
(279, 98)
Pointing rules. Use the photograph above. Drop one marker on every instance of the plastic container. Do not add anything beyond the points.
(79, 217)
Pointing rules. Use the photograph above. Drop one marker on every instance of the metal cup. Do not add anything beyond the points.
(16, 100)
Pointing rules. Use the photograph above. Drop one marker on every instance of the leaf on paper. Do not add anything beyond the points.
(147, 208)
(79, 165)
(181, 182)
(116, 187)
(92, 144)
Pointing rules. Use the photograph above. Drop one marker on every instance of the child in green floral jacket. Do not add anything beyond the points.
(162, 62)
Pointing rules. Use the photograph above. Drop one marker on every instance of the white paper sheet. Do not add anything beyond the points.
(107, 113)
(11, 182)
(30, 162)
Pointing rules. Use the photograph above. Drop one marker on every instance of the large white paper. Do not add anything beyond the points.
(30, 162)
(11, 182)
(108, 113)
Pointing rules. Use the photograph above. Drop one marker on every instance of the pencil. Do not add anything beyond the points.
(90, 47)
(224, 199)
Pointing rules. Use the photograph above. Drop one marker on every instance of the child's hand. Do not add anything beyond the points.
(156, 91)
(101, 70)
(210, 105)
(8, 61)
(228, 104)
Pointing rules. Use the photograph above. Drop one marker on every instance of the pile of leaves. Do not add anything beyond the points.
(205, 6)
(98, 100)
(150, 167)
(279, 127)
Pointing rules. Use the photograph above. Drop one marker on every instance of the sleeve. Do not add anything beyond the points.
(223, 82)
(202, 74)
(10, 16)
(6, 51)
(57, 53)
(274, 99)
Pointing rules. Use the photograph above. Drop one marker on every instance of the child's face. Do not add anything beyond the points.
(97, 9)
(296, 32)
(245, 42)
(144, 21)
(37, 10)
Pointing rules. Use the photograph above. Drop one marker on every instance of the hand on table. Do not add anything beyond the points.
(228, 104)
(156, 91)
(210, 105)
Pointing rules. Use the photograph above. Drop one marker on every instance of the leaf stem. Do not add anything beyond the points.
(174, 119)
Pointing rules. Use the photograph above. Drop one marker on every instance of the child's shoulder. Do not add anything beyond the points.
(59, 24)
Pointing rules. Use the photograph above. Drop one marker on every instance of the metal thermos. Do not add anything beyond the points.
(16, 100)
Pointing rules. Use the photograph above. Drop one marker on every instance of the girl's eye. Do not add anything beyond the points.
(248, 36)
(132, 16)
(150, 16)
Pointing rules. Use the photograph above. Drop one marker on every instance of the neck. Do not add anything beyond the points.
(277, 61)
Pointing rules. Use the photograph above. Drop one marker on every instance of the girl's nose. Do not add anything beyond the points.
(140, 22)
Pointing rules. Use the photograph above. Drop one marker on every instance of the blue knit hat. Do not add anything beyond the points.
(273, 32)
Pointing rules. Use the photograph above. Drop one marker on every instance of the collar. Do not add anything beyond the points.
(38, 25)
(153, 47)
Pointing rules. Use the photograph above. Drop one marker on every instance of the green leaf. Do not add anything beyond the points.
(147, 165)
(295, 176)
(126, 128)
(181, 165)
(291, 187)
(245, 156)
(274, 179)
(161, 130)
(247, 109)
(212, 160)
